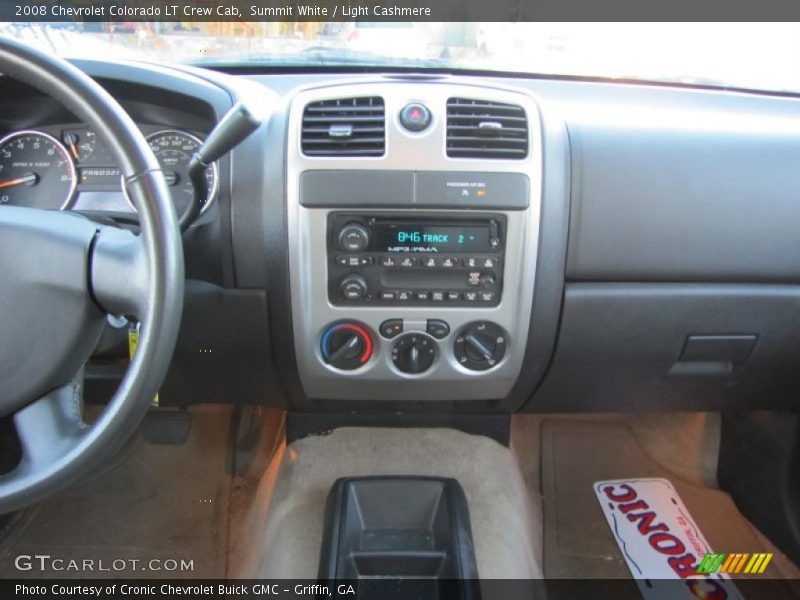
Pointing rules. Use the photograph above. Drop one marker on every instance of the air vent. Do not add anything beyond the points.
(481, 129)
(345, 127)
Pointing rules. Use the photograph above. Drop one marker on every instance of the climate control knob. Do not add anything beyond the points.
(413, 353)
(346, 345)
(480, 345)
(353, 237)
(353, 287)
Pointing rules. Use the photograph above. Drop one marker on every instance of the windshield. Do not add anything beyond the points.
(760, 56)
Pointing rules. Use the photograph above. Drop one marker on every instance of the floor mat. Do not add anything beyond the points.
(577, 540)
(153, 503)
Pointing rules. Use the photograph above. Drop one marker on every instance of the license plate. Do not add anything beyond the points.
(661, 543)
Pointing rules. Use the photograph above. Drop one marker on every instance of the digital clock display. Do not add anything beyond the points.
(410, 237)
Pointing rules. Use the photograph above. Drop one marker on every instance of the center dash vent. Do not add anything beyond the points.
(483, 129)
(344, 127)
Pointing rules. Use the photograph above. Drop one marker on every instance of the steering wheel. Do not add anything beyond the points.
(60, 275)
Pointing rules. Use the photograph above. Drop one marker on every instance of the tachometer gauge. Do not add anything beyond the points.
(36, 171)
(174, 149)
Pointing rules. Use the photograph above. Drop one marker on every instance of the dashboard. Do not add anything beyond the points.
(454, 244)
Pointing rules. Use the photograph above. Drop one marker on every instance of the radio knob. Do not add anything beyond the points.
(353, 237)
(487, 281)
(353, 287)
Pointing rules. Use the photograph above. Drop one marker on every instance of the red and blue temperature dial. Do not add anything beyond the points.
(346, 345)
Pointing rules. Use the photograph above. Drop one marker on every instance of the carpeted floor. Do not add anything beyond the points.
(182, 502)
(505, 531)
(576, 453)
(153, 502)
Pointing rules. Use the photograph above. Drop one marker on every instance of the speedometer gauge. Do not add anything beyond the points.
(174, 149)
(35, 171)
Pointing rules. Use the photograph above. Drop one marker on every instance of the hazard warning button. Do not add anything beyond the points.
(415, 117)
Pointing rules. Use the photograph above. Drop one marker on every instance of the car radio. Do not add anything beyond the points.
(402, 260)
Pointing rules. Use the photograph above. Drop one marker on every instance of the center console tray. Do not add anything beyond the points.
(379, 530)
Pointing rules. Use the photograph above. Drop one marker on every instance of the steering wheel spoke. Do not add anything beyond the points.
(119, 272)
(50, 427)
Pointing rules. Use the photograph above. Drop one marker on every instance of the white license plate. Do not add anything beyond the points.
(661, 543)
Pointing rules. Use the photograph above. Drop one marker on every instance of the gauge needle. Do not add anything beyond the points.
(71, 140)
(28, 179)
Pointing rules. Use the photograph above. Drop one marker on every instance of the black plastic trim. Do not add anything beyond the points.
(399, 527)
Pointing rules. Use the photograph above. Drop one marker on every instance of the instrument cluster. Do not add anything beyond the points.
(69, 168)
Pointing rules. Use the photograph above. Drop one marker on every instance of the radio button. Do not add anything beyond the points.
(437, 296)
(487, 296)
(387, 295)
(449, 262)
(453, 296)
(470, 262)
(408, 261)
(474, 279)
(422, 295)
(391, 328)
(403, 296)
(489, 262)
(388, 261)
(429, 262)
(471, 296)
(365, 260)
(437, 328)
(351, 261)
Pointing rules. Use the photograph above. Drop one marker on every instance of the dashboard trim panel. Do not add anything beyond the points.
(311, 309)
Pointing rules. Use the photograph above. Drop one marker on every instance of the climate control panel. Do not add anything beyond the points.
(413, 346)
(401, 261)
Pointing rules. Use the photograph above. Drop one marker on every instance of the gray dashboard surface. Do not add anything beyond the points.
(696, 204)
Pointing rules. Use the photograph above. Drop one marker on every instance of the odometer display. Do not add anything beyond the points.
(174, 149)
(36, 171)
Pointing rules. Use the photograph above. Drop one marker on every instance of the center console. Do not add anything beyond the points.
(413, 224)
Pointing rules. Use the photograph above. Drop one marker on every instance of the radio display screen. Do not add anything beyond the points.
(426, 238)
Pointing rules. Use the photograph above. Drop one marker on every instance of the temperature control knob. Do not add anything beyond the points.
(346, 345)
(353, 237)
(413, 353)
(480, 345)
